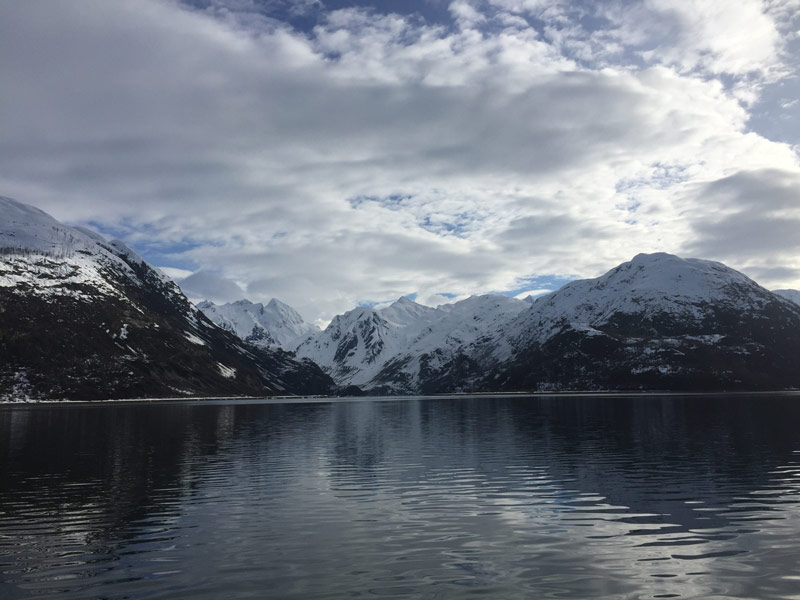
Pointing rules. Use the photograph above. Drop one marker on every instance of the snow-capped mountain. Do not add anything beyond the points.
(86, 318)
(83, 317)
(651, 284)
(658, 321)
(398, 348)
(793, 295)
(272, 325)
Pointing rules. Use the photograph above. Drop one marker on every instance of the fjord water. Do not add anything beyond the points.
(523, 497)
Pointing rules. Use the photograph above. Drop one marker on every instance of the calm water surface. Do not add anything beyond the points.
(557, 497)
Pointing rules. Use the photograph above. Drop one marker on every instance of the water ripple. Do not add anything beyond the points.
(501, 498)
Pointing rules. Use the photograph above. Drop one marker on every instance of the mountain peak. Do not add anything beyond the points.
(405, 311)
(281, 307)
(652, 257)
(25, 227)
(358, 313)
(283, 326)
(242, 302)
(120, 329)
(9, 207)
(657, 283)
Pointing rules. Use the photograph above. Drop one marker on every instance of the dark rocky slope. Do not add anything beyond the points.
(82, 318)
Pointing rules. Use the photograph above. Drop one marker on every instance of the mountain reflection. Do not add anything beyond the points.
(508, 497)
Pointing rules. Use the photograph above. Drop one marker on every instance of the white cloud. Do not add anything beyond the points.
(434, 299)
(204, 285)
(716, 36)
(379, 156)
(465, 14)
(177, 275)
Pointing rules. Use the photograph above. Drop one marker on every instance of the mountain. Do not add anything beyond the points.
(403, 347)
(656, 322)
(793, 295)
(274, 325)
(84, 318)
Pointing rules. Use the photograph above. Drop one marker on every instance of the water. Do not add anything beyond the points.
(558, 497)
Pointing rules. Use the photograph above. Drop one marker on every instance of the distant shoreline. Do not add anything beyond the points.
(315, 399)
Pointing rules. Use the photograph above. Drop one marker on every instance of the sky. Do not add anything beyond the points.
(334, 153)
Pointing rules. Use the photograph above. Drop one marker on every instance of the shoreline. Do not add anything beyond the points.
(292, 399)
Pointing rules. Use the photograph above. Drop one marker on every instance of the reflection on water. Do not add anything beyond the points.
(637, 497)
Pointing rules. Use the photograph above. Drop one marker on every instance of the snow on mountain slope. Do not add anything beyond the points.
(404, 312)
(47, 258)
(352, 347)
(87, 318)
(392, 346)
(25, 227)
(272, 325)
(660, 283)
(656, 322)
(465, 322)
(792, 295)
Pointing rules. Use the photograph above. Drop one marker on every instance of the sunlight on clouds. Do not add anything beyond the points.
(715, 36)
(377, 155)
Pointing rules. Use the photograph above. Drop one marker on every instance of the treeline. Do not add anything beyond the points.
(23, 251)
(63, 241)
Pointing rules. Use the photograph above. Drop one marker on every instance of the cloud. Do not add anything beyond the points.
(377, 155)
(768, 273)
(753, 219)
(706, 36)
(532, 293)
(713, 36)
(210, 286)
(177, 275)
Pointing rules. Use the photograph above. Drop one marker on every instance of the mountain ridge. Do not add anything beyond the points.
(656, 322)
(655, 308)
(271, 325)
(86, 318)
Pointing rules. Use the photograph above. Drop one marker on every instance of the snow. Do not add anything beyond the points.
(358, 345)
(713, 338)
(650, 283)
(194, 339)
(792, 295)
(282, 325)
(47, 258)
(368, 347)
(45, 276)
(27, 228)
(21, 389)
(228, 372)
(42, 258)
(406, 312)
